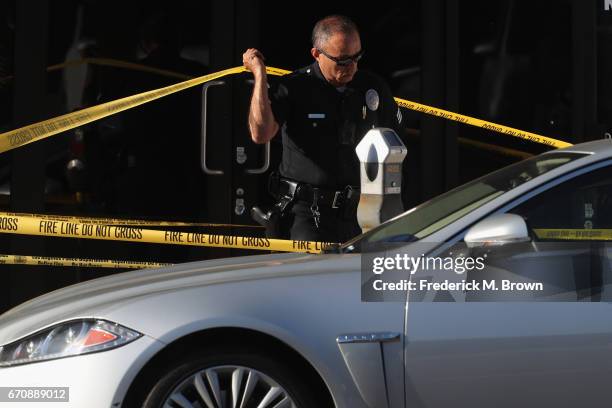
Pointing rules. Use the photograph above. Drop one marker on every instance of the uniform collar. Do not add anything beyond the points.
(315, 70)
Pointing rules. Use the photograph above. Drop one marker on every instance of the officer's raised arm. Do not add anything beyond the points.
(262, 124)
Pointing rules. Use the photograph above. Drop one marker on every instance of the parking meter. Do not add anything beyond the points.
(381, 153)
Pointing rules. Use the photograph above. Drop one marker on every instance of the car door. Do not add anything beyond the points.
(549, 347)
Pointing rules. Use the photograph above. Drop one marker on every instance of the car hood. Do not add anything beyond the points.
(97, 297)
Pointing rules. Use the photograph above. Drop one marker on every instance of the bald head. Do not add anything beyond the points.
(330, 25)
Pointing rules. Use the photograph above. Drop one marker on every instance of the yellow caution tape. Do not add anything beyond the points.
(277, 71)
(574, 234)
(68, 229)
(76, 262)
(124, 222)
(41, 130)
(468, 120)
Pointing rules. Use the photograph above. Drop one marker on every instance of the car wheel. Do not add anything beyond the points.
(228, 378)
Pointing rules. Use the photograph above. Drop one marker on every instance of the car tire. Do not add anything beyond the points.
(179, 381)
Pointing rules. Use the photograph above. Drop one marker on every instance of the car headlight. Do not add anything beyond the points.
(66, 339)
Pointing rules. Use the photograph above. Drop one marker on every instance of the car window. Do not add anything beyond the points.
(581, 204)
(559, 258)
(435, 214)
(563, 258)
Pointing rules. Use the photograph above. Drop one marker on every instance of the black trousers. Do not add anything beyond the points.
(335, 224)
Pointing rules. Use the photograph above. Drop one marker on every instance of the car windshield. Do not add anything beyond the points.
(442, 210)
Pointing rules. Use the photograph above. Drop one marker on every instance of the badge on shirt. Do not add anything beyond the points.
(372, 99)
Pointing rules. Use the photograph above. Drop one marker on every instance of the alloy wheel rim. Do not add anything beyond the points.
(229, 386)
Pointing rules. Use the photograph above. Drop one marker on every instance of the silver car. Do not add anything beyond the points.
(294, 330)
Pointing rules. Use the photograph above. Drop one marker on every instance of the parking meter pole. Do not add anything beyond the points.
(381, 153)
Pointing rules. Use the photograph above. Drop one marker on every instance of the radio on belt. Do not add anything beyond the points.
(381, 153)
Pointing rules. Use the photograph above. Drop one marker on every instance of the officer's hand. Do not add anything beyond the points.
(253, 60)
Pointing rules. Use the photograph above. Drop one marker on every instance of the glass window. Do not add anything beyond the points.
(584, 202)
(568, 269)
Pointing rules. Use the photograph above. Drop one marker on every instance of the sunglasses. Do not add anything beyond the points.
(344, 61)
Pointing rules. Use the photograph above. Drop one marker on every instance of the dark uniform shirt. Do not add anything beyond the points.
(321, 125)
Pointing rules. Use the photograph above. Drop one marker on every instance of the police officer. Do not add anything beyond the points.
(323, 111)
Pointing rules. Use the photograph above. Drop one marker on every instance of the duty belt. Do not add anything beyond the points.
(318, 195)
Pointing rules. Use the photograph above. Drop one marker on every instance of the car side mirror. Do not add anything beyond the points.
(496, 230)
